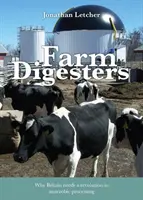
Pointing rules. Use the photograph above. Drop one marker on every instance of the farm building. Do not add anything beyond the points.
(89, 29)
(139, 53)
(31, 40)
(3, 53)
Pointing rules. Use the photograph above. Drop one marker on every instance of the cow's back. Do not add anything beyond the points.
(91, 123)
(83, 126)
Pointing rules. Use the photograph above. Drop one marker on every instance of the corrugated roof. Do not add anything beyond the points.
(139, 48)
(3, 49)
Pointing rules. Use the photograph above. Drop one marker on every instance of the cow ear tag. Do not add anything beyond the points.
(46, 132)
(125, 126)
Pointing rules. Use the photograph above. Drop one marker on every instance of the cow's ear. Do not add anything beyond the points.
(15, 124)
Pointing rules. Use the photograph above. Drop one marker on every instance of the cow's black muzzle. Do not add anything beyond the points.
(19, 158)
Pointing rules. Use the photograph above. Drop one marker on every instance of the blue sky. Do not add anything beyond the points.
(30, 12)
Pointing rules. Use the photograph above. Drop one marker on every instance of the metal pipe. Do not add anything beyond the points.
(113, 27)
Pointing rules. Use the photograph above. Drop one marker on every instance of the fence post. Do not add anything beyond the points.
(129, 79)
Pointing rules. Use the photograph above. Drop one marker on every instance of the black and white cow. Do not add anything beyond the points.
(129, 134)
(1, 97)
(28, 97)
(85, 91)
(68, 135)
(39, 82)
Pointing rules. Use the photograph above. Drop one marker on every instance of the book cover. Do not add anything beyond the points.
(71, 99)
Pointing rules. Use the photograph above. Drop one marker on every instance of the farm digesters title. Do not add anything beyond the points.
(75, 73)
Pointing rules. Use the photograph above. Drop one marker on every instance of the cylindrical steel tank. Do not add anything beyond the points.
(31, 42)
(83, 42)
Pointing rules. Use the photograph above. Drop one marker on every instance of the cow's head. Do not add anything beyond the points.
(121, 139)
(29, 133)
(33, 137)
(27, 108)
(126, 130)
(9, 87)
(55, 96)
(81, 80)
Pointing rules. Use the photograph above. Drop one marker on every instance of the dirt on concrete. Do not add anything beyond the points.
(121, 163)
(126, 91)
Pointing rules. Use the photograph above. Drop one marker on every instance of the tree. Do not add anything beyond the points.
(136, 40)
(14, 51)
(141, 32)
(50, 41)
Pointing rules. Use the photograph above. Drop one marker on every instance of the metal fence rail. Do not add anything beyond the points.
(7, 72)
(135, 64)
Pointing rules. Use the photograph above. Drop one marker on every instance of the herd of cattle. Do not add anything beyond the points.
(67, 134)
